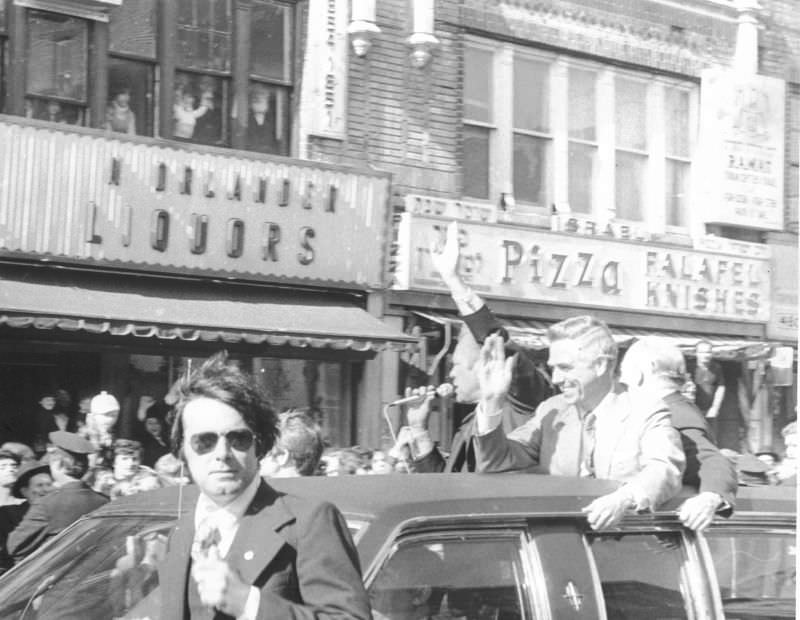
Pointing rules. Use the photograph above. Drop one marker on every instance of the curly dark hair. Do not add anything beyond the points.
(222, 380)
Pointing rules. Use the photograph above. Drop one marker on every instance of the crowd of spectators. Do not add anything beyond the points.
(560, 422)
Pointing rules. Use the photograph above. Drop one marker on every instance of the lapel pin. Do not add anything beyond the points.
(248, 555)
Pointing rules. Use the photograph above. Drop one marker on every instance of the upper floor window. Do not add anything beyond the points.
(271, 78)
(57, 67)
(793, 159)
(532, 131)
(587, 137)
(677, 130)
(204, 35)
(202, 84)
(132, 67)
(582, 131)
(478, 120)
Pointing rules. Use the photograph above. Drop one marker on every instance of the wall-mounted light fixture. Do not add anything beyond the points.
(422, 40)
(362, 26)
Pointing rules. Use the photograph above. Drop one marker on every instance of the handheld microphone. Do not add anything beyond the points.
(442, 391)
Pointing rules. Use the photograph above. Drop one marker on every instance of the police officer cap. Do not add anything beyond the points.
(71, 442)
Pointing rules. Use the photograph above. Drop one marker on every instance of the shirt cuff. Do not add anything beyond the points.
(469, 302)
(251, 606)
(486, 423)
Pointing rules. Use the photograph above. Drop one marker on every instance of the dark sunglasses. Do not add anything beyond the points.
(240, 439)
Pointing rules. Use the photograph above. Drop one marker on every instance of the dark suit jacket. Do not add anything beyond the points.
(529, 385)
(707, 469)
(10, 517)
(298, 552)
(51, 514)
(462, 448)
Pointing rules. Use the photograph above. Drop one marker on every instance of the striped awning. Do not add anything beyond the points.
(189, 311)
(532, 333)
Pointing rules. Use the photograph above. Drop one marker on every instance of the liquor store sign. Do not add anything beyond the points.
(538, 265)
(80, 196)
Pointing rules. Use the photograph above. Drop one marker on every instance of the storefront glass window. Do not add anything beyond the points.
(204, 34)
(318, 386)
(197, 110)
(268, 119)
(130, 97)
(270, 52)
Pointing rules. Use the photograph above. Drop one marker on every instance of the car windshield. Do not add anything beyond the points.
(99, 568)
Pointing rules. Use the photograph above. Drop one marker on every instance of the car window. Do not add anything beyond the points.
(756, 571)
(100, 568)
(475, 577)
(642, 575)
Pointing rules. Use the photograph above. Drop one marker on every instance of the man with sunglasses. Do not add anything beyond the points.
(246, 550)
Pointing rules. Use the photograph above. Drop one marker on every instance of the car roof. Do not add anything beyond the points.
(375, 495)
(393, 504)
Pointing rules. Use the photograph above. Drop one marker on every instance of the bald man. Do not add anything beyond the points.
(654, 366)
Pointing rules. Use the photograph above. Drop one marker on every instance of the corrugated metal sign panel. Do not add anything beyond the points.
(79, 195)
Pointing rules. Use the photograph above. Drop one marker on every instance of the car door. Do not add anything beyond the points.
(642, 569)
(465, 572)
(754, 565)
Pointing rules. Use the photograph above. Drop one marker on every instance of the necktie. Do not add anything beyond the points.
(587, 446)
(206, 536)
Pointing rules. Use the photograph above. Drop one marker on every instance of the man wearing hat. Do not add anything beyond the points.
(72, 498)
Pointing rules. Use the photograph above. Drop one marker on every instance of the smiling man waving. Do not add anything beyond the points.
(594, 428)
(248, 551)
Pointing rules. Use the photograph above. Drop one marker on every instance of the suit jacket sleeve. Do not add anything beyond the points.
(431, 463)
(328, 573)
(529, 385)
(481, 323)
(519, 450)
(661, 461)
(32, 531)
(713, 471)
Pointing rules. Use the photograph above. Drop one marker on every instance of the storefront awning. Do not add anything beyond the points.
(171, 309)
(532, 334)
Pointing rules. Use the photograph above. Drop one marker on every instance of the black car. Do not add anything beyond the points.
(478, 547)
